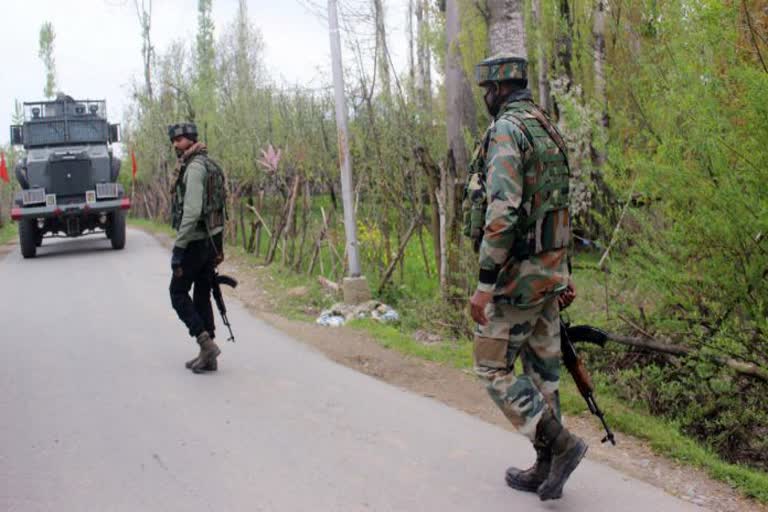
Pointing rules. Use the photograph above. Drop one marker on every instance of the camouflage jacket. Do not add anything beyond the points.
(521, 279)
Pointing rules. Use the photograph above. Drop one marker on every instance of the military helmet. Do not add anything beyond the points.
(501, 67)
(177, 130)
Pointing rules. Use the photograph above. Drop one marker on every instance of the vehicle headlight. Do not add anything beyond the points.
(106, 190)
(33, 196)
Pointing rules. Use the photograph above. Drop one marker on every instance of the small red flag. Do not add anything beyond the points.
(133, 164)
(3, 169)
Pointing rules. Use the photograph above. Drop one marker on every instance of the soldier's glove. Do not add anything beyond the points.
(176, 258)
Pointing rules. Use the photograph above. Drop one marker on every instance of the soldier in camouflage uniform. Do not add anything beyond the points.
(516, 212)
(198, 198)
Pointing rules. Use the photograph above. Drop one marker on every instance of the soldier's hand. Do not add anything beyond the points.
(219, 258)
(566, 298)
(477, 305)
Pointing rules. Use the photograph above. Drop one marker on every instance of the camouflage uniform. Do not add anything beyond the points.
(516, 211)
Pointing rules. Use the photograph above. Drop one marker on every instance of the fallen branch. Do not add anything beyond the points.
(400, 252)
(741, 367)
(635, 326)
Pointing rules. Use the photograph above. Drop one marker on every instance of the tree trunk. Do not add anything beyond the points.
(506, 27)
(461, 117)
(381, 48)
(242, 224)
(542, 62)
(144, 14)
(460, 100)
(423, 59)
(598, 33)
(433, 186)
(411, 50)
(443, 258)
(565, 43)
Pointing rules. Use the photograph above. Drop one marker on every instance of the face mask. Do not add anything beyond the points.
(492, 102)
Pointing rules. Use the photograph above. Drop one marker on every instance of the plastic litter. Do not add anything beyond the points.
(340, 313)
(330, 320)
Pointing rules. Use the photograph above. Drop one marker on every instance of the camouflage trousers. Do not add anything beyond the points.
(533, 336)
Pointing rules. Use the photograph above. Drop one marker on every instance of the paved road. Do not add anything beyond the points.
(97, 412)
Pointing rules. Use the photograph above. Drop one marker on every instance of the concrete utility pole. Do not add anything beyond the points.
(355, 286)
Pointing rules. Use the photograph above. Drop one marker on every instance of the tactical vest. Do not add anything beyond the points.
(544, 222)
(213, 214)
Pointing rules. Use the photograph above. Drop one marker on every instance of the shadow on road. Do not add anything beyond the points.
(66, 247)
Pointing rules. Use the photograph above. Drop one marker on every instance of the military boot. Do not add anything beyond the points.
(567, 452)
(210, 367)
(530, 479)
(189, 364)
(209, 351)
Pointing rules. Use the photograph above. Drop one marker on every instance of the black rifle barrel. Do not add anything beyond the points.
(571, 360)
(218, 280)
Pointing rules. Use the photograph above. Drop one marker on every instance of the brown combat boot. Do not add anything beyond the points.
(530, 479)
(210, 367)
(188, 365)
(567, 452)
(209, 351)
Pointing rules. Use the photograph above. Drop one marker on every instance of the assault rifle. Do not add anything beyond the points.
(218, 280)
(583, 333)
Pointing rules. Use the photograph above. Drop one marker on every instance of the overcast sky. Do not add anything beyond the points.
(98, 44)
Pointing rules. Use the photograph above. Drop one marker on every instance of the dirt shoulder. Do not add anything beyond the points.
(7, 247)
(461, 390)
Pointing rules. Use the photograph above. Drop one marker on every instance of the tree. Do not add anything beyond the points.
(205, 79)
(598, 34)
(506, 29)
(382, 49)
(144, 14)
(460, 120)
(423, 57)
(542, 60)
(45, 52)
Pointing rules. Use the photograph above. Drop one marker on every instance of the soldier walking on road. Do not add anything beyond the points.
(516, 212)
(198, 214)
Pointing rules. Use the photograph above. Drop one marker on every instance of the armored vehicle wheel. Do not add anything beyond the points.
(117, 230)
(28, 237)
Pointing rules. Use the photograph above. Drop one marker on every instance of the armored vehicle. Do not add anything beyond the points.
(68, 174)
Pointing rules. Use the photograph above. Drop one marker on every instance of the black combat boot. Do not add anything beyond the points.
(567, 451)
(530, 479)
(209, 351)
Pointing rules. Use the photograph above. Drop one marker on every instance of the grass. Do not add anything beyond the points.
(457, 354)
(662, 435)
(8, 232)
(154, 227)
